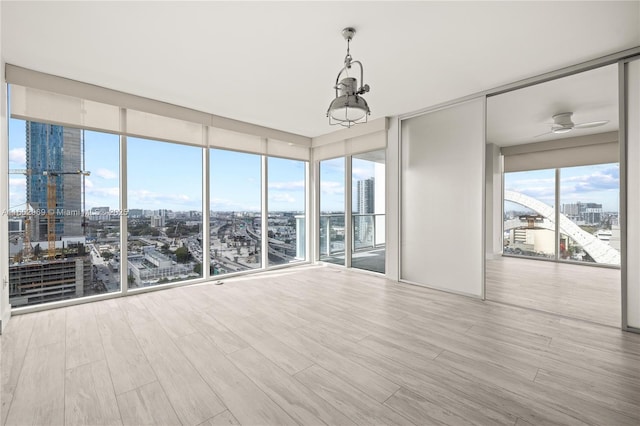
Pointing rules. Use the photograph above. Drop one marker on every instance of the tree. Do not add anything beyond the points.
(198, 268)
(182, 255)
(106, 254)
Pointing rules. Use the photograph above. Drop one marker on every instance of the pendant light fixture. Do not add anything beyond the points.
(349, 107)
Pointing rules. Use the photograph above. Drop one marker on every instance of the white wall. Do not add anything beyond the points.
(392, 268)
(442, 205)
(633, 195)
(5, 308)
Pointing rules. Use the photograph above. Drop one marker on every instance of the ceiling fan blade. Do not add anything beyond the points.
(542, 134)
(590, 124)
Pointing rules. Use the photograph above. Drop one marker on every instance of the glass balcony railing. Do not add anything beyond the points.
(368, 231)
(368, 243)
(331, 235)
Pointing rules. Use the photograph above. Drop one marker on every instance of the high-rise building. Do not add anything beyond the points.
(366, 205)
(366, 197)
(52, 149)
(583, 213)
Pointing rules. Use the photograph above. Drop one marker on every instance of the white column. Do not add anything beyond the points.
(5, 307)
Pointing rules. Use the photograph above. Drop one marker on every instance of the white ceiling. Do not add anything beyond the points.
(274, 64)
(525, 115)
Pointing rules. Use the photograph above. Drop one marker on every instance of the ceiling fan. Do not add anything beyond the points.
(562, 124)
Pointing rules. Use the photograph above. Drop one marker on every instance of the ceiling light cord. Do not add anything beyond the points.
(348, 58)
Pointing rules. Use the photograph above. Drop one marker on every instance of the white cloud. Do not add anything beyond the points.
(281, 198)
(331, 188)
(88, 183)
(17, 182)
(361, 173)
(223, 204)
(282, 186)
(158, 199)
(106, 174)
(102, 192)
(17, 156)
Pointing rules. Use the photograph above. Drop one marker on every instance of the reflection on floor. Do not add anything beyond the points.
(371, 260)
(576, 291)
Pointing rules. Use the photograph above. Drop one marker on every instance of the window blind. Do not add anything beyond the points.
(566, 152)
(51, 99)
(361, 138)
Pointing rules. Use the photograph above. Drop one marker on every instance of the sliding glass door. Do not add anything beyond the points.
(368, 211)
(332, 211)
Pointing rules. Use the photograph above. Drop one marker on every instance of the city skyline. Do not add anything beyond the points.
(598, 183)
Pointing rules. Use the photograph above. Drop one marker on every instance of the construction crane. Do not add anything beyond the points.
(26, 240)
(52, 205)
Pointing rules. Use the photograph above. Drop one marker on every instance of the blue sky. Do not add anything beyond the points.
(588, 184)
(169, 176)
(163, 175)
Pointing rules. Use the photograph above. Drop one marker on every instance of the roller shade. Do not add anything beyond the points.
(51, 99)
(579, 151)
(278, 148)
(225, 139)
(358, 139)
(47, 107)
(144, 124)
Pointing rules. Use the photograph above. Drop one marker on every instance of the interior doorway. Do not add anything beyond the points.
(555, 193)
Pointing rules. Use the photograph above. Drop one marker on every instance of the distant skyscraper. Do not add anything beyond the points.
(366, 191)
(366, 204)
(52, 148)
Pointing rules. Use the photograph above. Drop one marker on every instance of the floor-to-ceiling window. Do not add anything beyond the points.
(286, 203)
(589, 204)
(587, 224)
(92, 213)
(235, 211)
(164, 221)
(529, 213)
(368, 207)
(64, 213)
(332, 211)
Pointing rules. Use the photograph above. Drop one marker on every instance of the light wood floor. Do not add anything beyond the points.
(317, 345)
(583, 292)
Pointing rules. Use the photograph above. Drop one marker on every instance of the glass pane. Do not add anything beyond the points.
(64, 218)
(529, 213)
(286, 210)
(332, 210)
(236, 211)
(589, 200)
(165, 212)
(368, 199)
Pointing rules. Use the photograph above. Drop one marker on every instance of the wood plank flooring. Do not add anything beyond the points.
(576, 291)
(314, 345)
